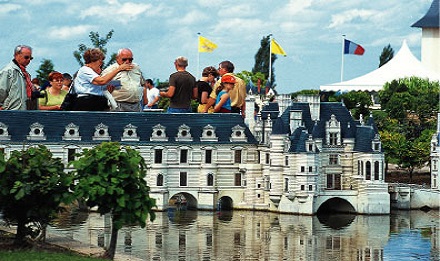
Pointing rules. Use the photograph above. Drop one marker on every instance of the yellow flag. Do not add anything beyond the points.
(205, 45)
(276, 48)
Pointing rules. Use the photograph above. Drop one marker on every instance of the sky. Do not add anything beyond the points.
(158, 31)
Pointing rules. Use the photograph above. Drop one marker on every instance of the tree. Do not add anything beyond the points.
(410, 105)
(357, 103)
(43, 71)
(33, 184)
(112, 178)
(262, 60)
(386, 55)
(97, 42)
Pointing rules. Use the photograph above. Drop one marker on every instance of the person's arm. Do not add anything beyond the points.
(204, 97)
(104, 79)
(156, 99)
(169, 93)
(144, 97)
(195, 92)
(222, 101)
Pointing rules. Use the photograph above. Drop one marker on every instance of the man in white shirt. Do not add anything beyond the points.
(151, 95)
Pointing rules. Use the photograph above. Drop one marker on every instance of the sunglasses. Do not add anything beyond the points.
(28, 57)
(127, 59)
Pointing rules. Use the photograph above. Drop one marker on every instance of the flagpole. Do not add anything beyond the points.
(198, 54)
(270, 59)
(342, 59)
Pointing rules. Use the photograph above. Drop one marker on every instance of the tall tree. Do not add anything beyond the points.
(43, 71)
(97, 42)
(33, 184)
(112, 177)
(262, 60)
(410, 105)
(386, 55)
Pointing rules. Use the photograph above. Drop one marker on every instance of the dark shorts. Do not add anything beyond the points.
(91, 103)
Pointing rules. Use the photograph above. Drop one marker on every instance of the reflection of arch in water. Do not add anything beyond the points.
(183, 201)
(181, 217)
(336, 213)
(225, 203)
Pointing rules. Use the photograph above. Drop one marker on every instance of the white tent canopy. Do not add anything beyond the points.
(403, 64)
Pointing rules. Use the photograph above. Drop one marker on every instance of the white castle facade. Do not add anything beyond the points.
(293, 157)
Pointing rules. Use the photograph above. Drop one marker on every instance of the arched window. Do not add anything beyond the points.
(376, 170)
(210, 180)
(159, 181)
(368, 170)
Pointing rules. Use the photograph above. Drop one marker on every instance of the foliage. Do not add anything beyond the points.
(42, 255)
(408, 121)
(304, 92)
(358, 103)
(386, 55)
(262, 60)
(97, 42)
(33, 184)
(254, 77)
(112, 178)
(43, 71)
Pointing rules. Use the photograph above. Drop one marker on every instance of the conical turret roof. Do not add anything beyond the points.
(431, 18)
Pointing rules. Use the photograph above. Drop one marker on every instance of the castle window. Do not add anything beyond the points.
(71, 155)
(208, 156)
(4, 135)
(310, 187)
(130, 133)
(286, 160)
(208, 134)
(333, 139)
(158, 156)
(159, 133)
(376, 170)
(36, 132)
(159, 180)
(333, 131)
(303, 169)
(184, 133)
(238, 134)
(286, 185)
(183, 156)
(303, 187)
(333, 159)
(267, 158)
(237, 156)
(183, 179)
(368, 170)
(310, 168)
(210, 180)
(237, 179)
(71, 132)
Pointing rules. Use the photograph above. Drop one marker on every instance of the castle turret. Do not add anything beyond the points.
(430, 37)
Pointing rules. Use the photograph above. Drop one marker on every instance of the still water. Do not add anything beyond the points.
(246, 235)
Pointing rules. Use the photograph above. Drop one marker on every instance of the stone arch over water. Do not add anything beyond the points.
(336, 205)
(225, 203)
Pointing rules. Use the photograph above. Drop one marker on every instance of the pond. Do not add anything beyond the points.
(247, 235)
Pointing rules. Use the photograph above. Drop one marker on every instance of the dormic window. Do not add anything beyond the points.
(159, 133)
(36, 132)
(333, 131)
(158, 156)
(71, 132)
(184, 133)
(130, 133)
(4, 134)
(208, 134)
(238, 134)
(333, 139)
(101, 132)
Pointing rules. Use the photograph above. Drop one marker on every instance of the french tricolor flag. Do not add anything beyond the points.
(353, 48)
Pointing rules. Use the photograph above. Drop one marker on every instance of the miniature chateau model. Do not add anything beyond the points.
(292, 158)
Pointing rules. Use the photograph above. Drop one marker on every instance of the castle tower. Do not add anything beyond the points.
(430, 37)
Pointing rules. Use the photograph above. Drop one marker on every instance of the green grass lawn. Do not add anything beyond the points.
(28, 255)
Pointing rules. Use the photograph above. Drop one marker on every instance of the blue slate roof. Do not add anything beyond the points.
(350, 128)
(55, 123)
(431, 18)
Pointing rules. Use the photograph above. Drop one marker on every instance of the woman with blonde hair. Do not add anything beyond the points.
(204, 86)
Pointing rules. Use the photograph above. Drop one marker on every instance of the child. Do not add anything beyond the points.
(223, 101)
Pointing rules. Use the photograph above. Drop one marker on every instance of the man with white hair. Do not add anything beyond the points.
(127, 97)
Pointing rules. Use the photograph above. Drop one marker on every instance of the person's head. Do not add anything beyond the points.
(149, 83)
(67, 79)
(181, 62)
(56, 79)
(35, 81)
(228, 82)
(124, 55)
(23, 55)
(210, 72)
(93, 55)
(225, 67)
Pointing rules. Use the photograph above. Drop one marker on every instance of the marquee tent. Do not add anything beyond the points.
(403, 64)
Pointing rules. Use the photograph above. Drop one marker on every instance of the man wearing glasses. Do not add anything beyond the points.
(16, 87)
(129, 94)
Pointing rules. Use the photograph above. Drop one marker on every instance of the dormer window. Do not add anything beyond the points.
(4, 134)
(310, 144)
(36, 132)
(101, 132)
(71, 132)
(208, 134)
(376, 144)
(159, 133)
(333, 131)
(130, 133)
(238, 134)
(184, 133)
